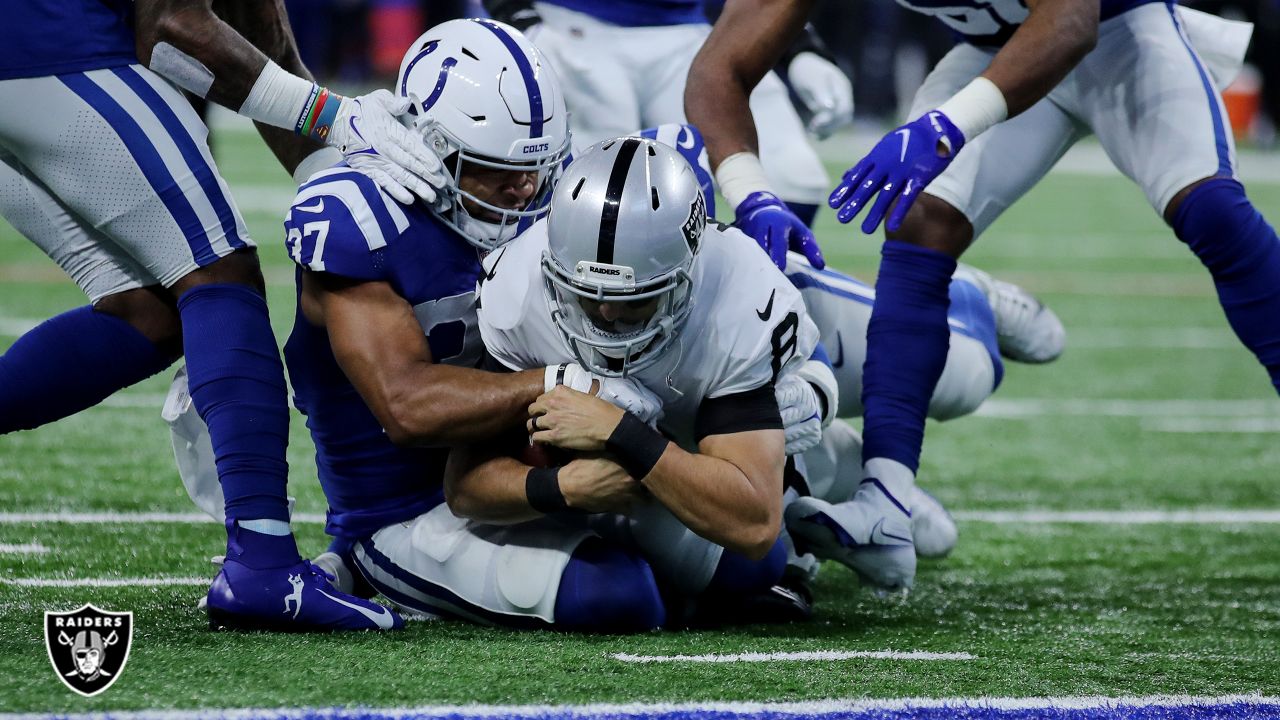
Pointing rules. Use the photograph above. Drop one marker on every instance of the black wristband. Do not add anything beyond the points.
(636, 446)
(542, 489)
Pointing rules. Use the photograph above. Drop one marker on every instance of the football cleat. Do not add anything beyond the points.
(1027, 330)
(343, 576)
(932, 528)
(298, 598)
(870, 533)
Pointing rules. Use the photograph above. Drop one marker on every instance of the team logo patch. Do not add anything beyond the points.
(696, 222)
(88, 647)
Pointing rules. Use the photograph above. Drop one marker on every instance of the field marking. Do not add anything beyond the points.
(835, 708)
(32, 548)
(1191, 516)
(1240, 426)
(104, 582)
(128, 518)
(1120, 338)
(809, 656)
(1038, 407)
(1123, 517)
(17, 327)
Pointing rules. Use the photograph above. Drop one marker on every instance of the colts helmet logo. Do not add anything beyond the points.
(88, 647)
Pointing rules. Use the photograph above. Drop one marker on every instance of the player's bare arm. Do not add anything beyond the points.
(380, 346)
(1054, 38)
(748, 39)
(234, 56)
(242, 55)
(729, 492)
(483, 482)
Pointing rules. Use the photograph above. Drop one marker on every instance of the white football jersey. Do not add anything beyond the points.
(747, 326)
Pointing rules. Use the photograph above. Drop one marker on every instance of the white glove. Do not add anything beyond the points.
(801, 413)
(369, 134)
(620, 392)
(824, 89)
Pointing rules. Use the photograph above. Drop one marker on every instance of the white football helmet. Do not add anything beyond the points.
(484, 96)
(625, 226)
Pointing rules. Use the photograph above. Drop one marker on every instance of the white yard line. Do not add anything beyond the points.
(104, 582)
(23, 549)
(16, 327)
(811, 656)
(811, 708)
(1241, 426)
(1035, 407)
(1115, 338)
(126, 518)
(1123, 517)
(1201, 516)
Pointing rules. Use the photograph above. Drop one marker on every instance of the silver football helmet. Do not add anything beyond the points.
(485, 99)
(625, 225)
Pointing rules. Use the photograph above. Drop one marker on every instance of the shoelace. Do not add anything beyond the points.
(317, 570)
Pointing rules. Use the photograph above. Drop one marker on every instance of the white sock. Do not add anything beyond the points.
(894, 476)
(266, 527)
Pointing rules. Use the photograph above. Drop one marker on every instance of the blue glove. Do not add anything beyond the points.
(771, 223)
(902, 164)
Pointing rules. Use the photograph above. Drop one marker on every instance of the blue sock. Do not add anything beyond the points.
(969, 305)
(907, 341)
(606, 589)
(1242, 254)
(804, 211)
(69, 363)
(236, 381)
(738, 575)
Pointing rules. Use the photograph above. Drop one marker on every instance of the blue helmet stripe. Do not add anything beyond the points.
(526, 71)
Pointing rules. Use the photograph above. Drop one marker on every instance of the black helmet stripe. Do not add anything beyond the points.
(613, 199)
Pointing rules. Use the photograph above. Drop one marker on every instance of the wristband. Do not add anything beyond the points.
(740, 175)
(977, 107)
(281, 99)
(317, 115)
(542, 490)
(636, 446)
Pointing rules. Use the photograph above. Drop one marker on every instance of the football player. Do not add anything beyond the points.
(104, 166)
(627, 279)
(990, 120)
(624, 64)
(385, 343)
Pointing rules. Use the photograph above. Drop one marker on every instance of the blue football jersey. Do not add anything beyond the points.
(341, 223)
(991, 22)
(49, 37)
(638, 13)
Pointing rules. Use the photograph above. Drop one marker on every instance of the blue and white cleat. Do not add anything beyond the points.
(870, 533)
(298, 598)
(933, 529)
(1027, 331)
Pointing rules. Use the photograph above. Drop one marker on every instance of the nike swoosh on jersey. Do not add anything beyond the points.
(768, 308)
(318, 207)
(839, 361)
(382, 618)
(906, 138)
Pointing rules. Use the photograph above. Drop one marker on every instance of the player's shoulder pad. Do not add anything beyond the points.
(339, 221)
(757, 310)
(688, 142)
(512, 273)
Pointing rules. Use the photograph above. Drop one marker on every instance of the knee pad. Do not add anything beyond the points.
(607, 589)
(739, 575)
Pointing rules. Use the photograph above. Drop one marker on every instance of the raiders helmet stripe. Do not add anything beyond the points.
(613, 199)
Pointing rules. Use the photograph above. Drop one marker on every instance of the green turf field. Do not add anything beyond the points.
(1154, 407)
